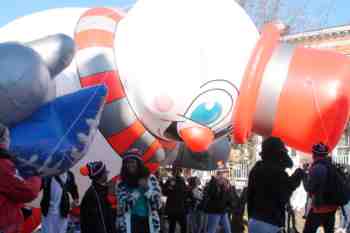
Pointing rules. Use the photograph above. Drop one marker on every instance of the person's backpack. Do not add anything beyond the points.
(338, 191)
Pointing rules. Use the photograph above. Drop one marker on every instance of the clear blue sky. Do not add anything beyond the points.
(304, 15)
(12, 9)
(317, 13)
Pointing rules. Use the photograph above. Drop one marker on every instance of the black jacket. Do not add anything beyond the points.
(323, 184)
(269, 190)
(316, 183)
(68, 187)
(217, 200)
(96, 214)
(176, 196)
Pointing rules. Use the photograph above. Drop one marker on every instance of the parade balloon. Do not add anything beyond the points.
(181, 73)
(174, 94)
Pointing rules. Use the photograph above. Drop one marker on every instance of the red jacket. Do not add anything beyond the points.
(14, 192)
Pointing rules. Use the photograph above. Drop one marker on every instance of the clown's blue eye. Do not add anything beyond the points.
(206, 113)
(211, 108)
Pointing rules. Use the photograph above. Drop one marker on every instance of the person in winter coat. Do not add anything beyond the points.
(175, 191)
(316, 185)
(270, 188)
(14, 190)
(237, 213)
(345, 210)
(218, 200)
(139, 197)
(55, 203)
(193, 200)
(96, 213)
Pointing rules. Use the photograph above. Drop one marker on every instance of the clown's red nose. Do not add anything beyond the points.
(196, 138)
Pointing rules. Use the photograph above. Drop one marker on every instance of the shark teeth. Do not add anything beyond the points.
(92, 123)
(33, 158)
(75, 154)
(83, 138)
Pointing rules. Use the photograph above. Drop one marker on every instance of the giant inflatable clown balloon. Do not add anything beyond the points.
(184, 72)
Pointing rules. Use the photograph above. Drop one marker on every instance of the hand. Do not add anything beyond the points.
(111, 187)
(306, 166)
(76, 203)
(300, 173)
(135, 195)
(143, 183)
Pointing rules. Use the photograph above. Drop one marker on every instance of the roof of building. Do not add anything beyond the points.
(322, 34)
(334, 38)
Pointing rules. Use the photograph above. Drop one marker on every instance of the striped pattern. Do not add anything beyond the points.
(271, 87)
(94, 37)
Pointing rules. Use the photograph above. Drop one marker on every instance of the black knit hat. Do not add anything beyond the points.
(320, 150)
(274, 149)
(133, 154)
(93, 169)
(271, 144)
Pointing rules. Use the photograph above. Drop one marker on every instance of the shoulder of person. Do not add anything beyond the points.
(5, 154)
(121, 185)
(7, 167)
(181, 179)
(46, 180)
(319, 168)
(70, 177)
(70, 174)
(89, 195)
(323, 165)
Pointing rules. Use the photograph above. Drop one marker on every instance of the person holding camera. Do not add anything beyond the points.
(270, 187)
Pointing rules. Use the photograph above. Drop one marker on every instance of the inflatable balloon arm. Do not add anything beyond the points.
(62, 49)
(64, 126)
(29, 86)
(16, 188)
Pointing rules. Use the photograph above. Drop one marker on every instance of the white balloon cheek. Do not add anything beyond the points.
(163, 103)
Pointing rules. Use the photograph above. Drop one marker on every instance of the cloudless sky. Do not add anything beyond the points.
(12, 9)
(318, 13)
(303, 15)
(325, 13)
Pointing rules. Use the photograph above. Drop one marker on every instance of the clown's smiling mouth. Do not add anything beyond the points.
(171, 132)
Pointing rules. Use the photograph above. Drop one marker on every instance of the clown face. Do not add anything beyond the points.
(182, 73)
